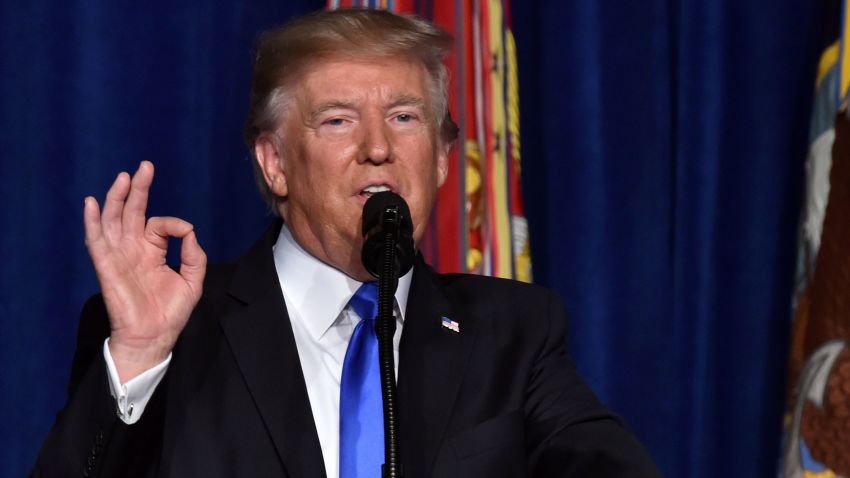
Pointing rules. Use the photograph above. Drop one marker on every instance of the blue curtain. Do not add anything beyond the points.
(662, 146)
(87, 89)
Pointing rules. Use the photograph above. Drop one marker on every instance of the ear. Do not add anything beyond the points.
(443, 151)
(270, 159)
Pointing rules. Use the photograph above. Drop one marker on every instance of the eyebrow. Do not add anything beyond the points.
(330, 105)
(400, 100)
(407, 100)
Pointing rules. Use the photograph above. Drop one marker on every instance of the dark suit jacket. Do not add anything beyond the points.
(499, 398)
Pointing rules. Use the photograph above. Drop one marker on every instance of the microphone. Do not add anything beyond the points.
(386, 213)
(387, 254)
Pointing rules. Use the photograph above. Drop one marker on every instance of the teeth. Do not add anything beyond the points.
(375, 189)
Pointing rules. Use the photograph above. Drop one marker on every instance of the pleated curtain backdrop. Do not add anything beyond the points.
(663, 156)
(663, 144)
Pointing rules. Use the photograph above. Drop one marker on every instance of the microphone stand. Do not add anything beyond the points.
(385, 328)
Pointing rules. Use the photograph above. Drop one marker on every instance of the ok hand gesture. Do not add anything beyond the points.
(148, 302)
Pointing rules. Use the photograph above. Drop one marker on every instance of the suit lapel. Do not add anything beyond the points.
(432, 363)
(263, 345)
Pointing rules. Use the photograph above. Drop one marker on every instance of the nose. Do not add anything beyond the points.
(376, 145)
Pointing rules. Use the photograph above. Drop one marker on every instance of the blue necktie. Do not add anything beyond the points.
(361, 419)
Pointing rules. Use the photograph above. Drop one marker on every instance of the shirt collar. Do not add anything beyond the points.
(317, 290)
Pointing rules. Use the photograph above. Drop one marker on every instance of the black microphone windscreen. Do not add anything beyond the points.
(374, 209)
(377, 221)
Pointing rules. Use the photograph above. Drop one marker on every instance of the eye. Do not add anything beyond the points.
(405, 118)
(335, 122)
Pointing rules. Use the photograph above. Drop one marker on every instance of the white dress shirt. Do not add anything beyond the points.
(316, 297)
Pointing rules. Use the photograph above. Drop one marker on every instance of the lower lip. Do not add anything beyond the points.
(365, 197)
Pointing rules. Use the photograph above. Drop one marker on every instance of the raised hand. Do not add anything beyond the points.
(148, 302)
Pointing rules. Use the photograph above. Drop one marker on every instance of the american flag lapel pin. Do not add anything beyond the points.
(450, 324)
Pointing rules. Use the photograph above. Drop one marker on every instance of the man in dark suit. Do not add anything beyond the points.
(236, 370)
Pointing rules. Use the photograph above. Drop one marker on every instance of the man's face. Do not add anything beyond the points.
(351, 128)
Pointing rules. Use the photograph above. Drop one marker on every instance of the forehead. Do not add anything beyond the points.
(362, 79)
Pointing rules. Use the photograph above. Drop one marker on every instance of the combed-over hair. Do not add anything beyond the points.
(283, 54)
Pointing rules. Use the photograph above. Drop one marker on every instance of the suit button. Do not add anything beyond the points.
(91, 461)
(99, 438)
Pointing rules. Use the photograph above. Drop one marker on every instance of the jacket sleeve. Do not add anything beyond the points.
(88, 439)
(569, 433)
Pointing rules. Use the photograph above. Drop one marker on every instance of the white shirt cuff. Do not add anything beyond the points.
(132, 397)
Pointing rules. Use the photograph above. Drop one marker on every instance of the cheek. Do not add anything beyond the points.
(313, 172)
(421, 205)
(427, 176)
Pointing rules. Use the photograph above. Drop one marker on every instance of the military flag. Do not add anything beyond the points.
(817, 425)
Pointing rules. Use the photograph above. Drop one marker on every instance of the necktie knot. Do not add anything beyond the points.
(365, 301)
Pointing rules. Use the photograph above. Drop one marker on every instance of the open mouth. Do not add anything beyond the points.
(367, 192)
